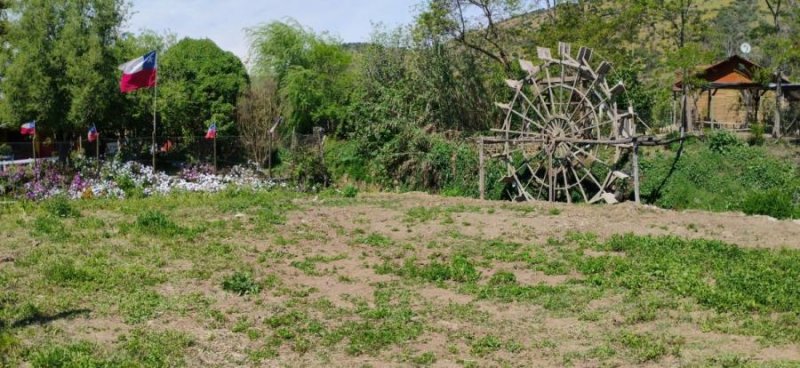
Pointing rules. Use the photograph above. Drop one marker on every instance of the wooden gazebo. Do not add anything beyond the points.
(730, 97)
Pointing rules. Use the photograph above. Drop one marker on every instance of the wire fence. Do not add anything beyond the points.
(170, 151)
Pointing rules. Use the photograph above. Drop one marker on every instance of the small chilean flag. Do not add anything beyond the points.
(139, 73)
(28, 128)
(93, 134)
(212, 131)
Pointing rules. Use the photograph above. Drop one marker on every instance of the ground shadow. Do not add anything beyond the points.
(40, 319)
(655, 194)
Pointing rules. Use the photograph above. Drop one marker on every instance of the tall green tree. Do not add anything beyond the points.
(3, 9)
(733, 26)
(199, 83)
(474, 24)
(61, 67)
(312, 72)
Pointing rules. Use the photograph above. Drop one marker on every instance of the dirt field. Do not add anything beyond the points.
(282, 280)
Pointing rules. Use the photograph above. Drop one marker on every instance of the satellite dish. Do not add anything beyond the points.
(746, 48)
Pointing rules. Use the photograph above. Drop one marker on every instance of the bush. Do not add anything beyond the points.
(723, 141)
(776, 203)
(241, 283)
(756, 135)
(350, 191)
(5, 150)
(310, 171)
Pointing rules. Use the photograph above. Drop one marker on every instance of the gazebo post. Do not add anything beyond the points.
(709, 116)
(776, 129)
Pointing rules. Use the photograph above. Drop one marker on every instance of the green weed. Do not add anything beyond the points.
(647, 348)
(156, 349)
(61, 207)
(241, 283)
(158, 223)
(375, 240)
(390, 322)
(459, 269)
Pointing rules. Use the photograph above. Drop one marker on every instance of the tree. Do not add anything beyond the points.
(201, 83)
(258, 110)
(733, 26)
(312, 73)
(3, 9)
(481, 33)
(61, 66)
(781, 41)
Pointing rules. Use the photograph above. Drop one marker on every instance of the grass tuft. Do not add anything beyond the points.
(241, 283)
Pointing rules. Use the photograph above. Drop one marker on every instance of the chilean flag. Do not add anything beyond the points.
(28, 128)
(93, 134)
(212, 131)
(139, 73)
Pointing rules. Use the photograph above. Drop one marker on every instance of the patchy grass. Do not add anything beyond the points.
(248, 278)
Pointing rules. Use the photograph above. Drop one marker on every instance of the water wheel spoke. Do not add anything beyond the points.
(566, 186)
(579, 184)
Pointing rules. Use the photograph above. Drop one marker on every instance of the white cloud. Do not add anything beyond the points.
(225, 21)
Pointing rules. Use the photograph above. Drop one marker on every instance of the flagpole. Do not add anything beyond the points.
(97, 152)
(155, 111)
(215, 153)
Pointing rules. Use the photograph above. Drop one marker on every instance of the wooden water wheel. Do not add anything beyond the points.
(564, 133)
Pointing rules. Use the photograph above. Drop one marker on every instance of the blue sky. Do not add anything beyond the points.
(224, 21)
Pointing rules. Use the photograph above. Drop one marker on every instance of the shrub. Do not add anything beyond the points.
(241, 283)
(310, 171)
(723, 141)
(5, 150)
(350, 191)
(777, 203)
(756, 135)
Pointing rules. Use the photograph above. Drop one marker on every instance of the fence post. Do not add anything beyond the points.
(482, 170)
(637, 193)
(269, 155)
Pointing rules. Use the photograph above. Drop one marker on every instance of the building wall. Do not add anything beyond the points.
(729, 109)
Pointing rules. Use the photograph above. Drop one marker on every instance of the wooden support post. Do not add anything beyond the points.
(551, 177)
(636, 189)
(215, 153)
(269, 156)
(97, 154)
(776, 129)
(33, 146)
(271, 138)
(482, 169)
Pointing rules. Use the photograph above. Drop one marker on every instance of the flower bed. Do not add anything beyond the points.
(121, 179)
